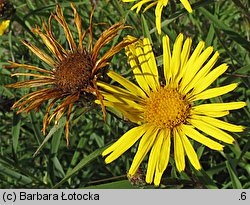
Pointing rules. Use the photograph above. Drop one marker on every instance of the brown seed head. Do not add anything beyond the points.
(74, 72)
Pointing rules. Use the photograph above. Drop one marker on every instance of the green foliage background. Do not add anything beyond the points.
(224, 24)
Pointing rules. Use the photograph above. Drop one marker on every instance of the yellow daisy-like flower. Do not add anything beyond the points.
(3, 26)
(72, 72)
(158, 10)
(168, 111)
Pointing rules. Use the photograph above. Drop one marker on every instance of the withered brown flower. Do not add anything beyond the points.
(73, 72)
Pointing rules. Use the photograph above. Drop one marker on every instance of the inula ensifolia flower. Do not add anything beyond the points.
(169, 112)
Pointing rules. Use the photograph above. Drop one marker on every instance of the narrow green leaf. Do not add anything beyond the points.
(243, 70)
(245, 149)
(77, 153)
(210, 36)
(205, 179)
(80, 165)
(52, 131)
(123, 184)
(145, 29)
(20, 178)
(38, 134)
(231, 33)
(58, 167)
(16, 125)
(55, 143)
(233, 175)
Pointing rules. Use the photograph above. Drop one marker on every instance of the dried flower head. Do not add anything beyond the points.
(73, 72)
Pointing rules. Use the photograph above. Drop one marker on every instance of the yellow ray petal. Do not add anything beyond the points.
(186, 5)
(219, 123)
(3, 26)
(217, 107)
(145, 145)
(153, 159)
(124, 100)
(212, 131)
(117, 90)
(192, 156)
(210, 113)
(151, 62)
(158, 11)
(165, 149)
(126, 83)
(166, 58)
(124, 143)
(198, 78)
(139, 5)
(179, 154)
(214, 92)
(149, 6)
(133, 114)
(209, 79)
(136, 69)
(195, 135)
(190, 63)
(176, 56)
(184, 58)
(164, 156)
(188, 82)
(146, 71)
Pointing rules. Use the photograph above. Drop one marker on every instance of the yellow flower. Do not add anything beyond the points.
(168, 109)
(72, 73)
(158, 10)
(3, 26)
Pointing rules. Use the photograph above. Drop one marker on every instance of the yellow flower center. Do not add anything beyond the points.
(74, 72)
(166, 108)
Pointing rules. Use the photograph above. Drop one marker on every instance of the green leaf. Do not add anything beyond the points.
(145, 29)
(52, 131)
(20, 178)
(80, 165)
(231, 33)
(58, 169)
(55, 143)
(82, 142)
(233, 175)
(243, 70)
(205, 179)
(210, 36)
(38, 135)
(244, 150)
(16, 125)
(123, 184)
